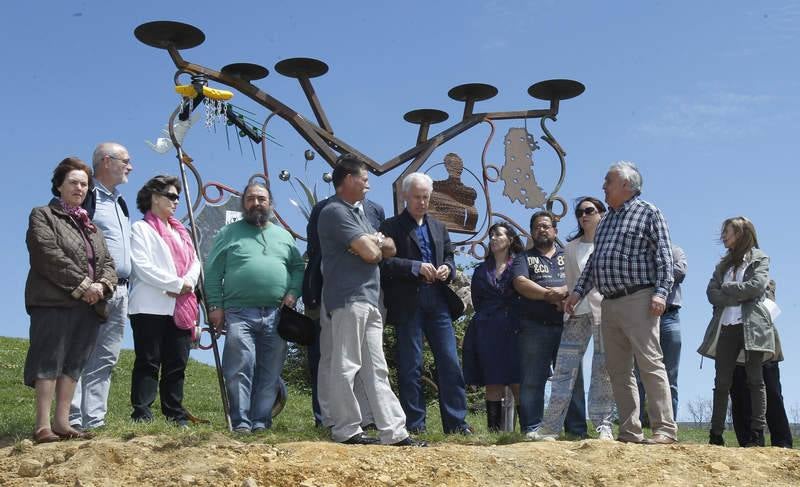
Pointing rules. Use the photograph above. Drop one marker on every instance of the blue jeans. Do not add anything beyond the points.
(433, 319)
(90, 402)
(538, 351)
(252, 362)
(670, 339)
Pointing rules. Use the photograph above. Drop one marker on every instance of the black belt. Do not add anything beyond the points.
(627, 291)
(122, 282)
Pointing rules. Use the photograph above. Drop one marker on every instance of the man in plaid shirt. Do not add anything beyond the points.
(632, 268)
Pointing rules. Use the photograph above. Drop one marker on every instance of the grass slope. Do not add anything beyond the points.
(202, 399)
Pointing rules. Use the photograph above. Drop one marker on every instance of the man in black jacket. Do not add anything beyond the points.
(416, 297)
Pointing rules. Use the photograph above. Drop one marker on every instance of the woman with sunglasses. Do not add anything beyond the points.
(578, 328)
(162, 304)
(741, 328)
(491, 353)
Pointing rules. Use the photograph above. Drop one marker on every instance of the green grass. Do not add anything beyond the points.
(202, 399)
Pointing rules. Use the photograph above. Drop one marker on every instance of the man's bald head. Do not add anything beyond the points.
(112, 164)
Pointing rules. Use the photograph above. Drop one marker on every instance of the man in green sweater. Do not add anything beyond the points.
(253, 268)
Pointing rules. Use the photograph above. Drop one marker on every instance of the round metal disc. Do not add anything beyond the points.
(245, 71)
(423, 115)
(556, 89)
(301, 67)
(163, 33)
(472, 91)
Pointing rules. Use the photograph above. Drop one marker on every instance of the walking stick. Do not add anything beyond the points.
(211, 329)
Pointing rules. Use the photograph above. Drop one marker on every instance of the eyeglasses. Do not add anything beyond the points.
(174, 197)
(126, 162)
(589, 210)
(542, 226)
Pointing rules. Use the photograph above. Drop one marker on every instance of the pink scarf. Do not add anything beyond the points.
(186, 311)
(80, 215)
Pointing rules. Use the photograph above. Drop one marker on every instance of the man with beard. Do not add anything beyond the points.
(253, 268)
(540, 278)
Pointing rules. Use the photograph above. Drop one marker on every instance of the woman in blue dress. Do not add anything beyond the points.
(490, 355)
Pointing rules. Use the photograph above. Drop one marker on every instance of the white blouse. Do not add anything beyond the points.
(732, 315)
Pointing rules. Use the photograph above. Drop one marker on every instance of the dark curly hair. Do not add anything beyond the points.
(156, 185)
(65, 167)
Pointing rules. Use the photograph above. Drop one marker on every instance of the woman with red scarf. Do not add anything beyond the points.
(71, 277)
(162, 305)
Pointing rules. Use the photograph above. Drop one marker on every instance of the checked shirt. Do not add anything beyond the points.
(631, 248)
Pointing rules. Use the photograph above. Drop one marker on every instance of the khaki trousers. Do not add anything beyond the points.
(357, 349)
(631, 332)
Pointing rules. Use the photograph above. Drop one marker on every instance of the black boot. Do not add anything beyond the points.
(494, 415)
(756, 439)
(715, 439)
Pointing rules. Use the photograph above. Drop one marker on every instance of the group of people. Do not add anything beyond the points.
(616, 281)
(91, 270)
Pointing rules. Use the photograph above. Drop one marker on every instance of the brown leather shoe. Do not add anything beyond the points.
(643, 441)
(659, 439)
(45, 435)
(73, 434)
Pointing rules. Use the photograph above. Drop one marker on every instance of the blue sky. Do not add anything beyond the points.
(703, 98)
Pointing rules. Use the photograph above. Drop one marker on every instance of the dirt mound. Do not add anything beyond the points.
(220, 460)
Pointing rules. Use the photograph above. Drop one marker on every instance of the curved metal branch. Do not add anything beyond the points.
(552, 142)
(264, 143)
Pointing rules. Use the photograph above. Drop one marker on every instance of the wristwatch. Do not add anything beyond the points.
(212, 308)
(381, 239)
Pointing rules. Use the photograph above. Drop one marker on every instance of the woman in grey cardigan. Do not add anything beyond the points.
(741, 327)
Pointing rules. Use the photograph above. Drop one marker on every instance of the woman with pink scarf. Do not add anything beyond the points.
(162, 305)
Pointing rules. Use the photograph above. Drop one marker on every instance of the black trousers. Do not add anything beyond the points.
(777, 421)
(160, 348)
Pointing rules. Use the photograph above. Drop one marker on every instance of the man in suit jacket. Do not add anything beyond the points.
(416, 297)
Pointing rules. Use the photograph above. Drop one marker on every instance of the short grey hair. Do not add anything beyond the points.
(105, 149)
(629, 173)
(419, 179)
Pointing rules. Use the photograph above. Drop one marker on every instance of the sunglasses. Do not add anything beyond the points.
(590, 210)
(170, 196)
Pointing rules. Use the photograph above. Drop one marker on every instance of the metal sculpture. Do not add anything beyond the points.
(453, 201)
(176, 36)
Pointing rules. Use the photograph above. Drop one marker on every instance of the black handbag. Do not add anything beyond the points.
(296, 327)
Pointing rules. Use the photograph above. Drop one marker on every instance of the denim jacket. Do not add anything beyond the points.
(759, 332)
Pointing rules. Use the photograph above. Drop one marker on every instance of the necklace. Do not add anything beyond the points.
(262, 242)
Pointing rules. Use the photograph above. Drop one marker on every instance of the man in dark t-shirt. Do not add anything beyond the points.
(351, 339)
(540, 278)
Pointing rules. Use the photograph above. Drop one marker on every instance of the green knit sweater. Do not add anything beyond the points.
(250, 266)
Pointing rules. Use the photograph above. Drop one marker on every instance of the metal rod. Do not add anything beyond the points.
(316, 106)
(195, 241)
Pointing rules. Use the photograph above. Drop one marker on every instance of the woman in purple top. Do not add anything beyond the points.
(491, 353)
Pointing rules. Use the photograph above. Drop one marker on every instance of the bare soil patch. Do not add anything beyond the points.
(222, 461)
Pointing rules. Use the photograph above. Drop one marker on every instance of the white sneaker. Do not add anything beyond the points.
(537, 436)
(605, 433)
